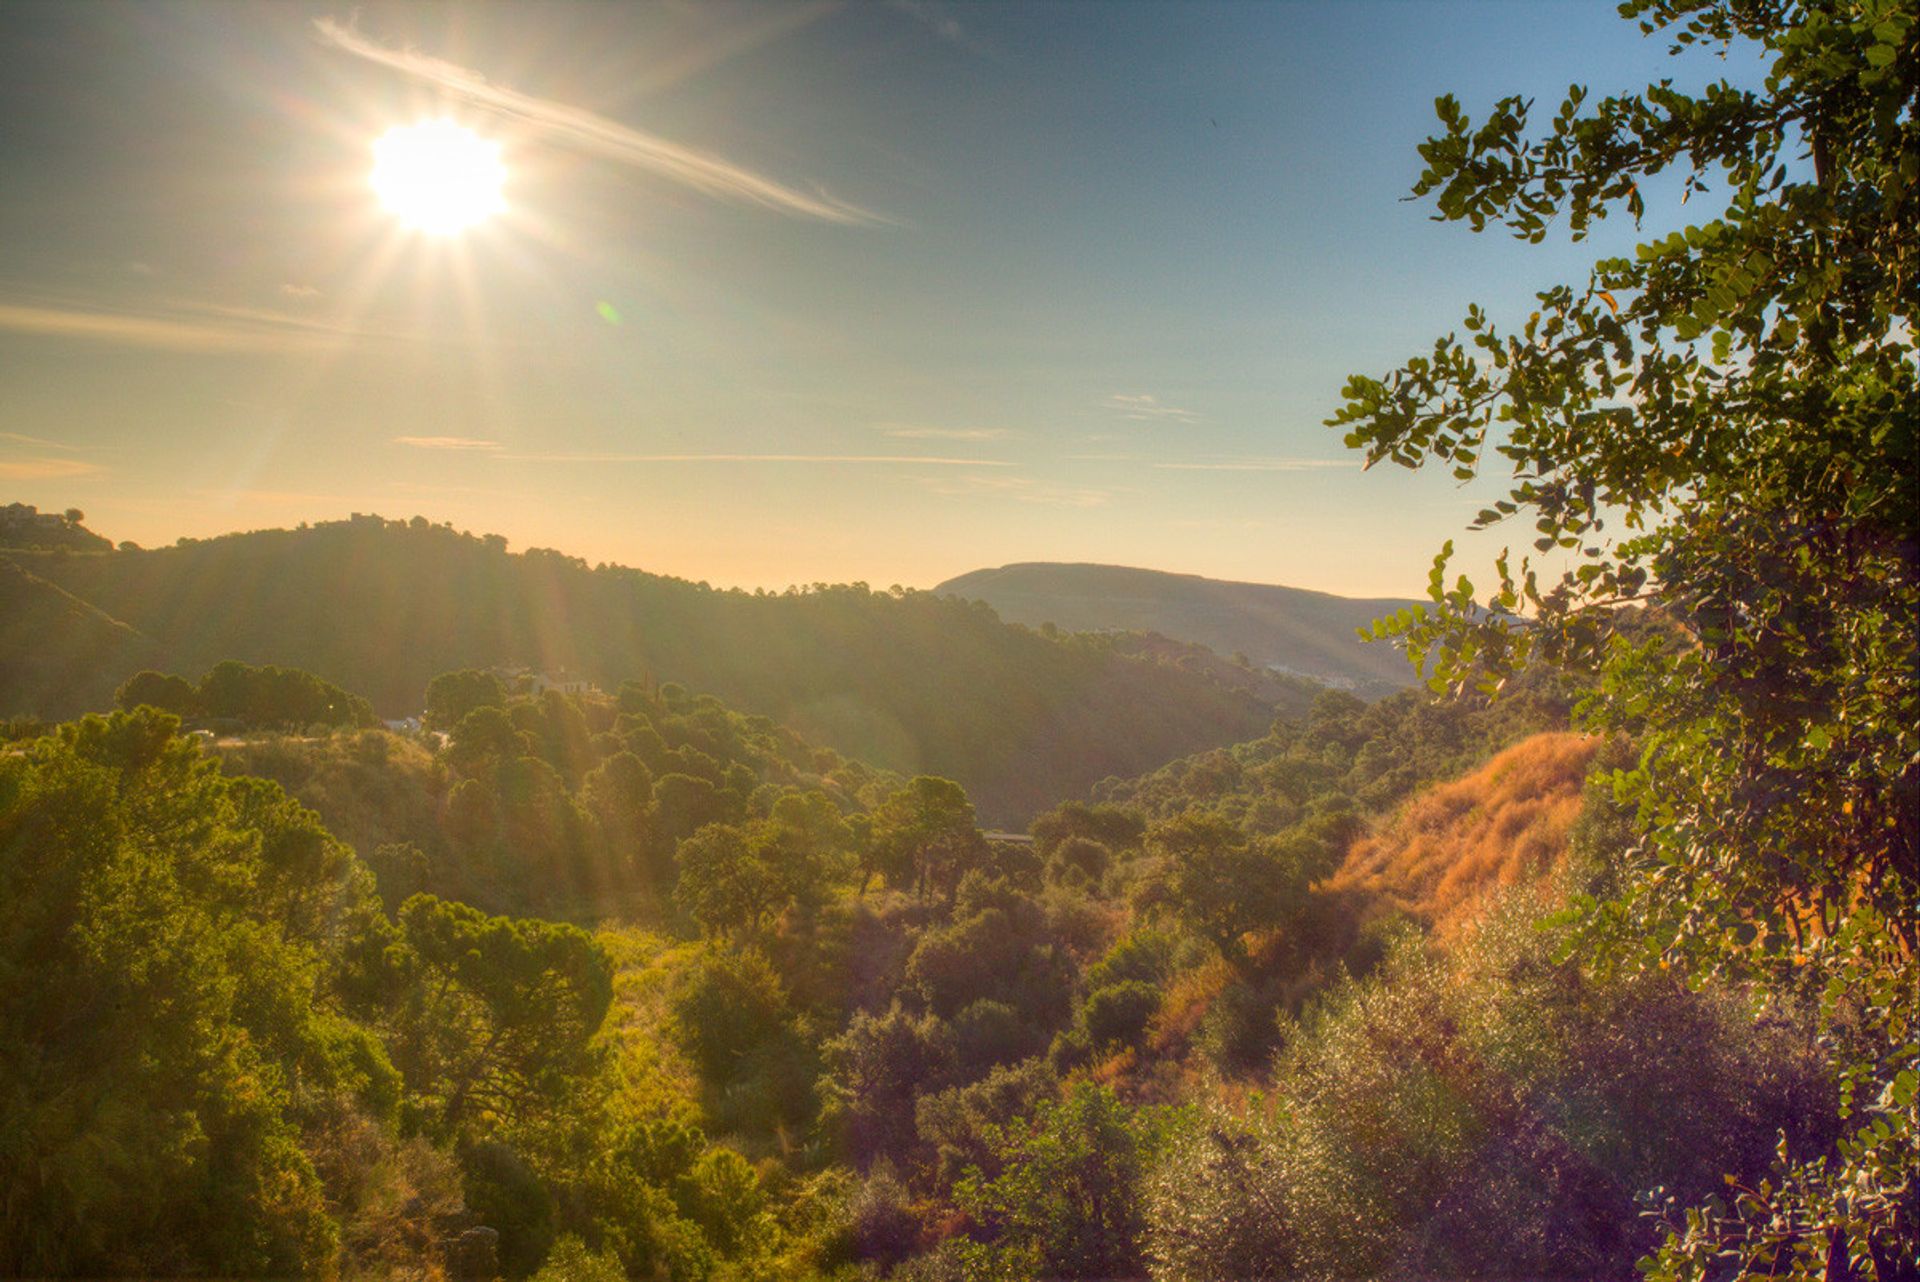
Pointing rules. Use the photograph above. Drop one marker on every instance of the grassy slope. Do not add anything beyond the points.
(1504, 824)
(1440, 859)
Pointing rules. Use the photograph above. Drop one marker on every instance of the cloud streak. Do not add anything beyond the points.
(131, 329)
(704, 172)
(35, 442)
(201, 328)
(44, 469)
(947, 433)
(1023, 488)
(920, 460)
(459, 443)
(1142, 407)
(1261, 465)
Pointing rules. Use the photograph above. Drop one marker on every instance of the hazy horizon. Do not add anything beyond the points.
(779, 295)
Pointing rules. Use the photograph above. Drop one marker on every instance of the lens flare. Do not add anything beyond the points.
(437, 176)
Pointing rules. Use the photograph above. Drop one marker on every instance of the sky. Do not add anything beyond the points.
(780, 294)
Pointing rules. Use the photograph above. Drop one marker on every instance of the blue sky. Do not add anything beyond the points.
(783, 294)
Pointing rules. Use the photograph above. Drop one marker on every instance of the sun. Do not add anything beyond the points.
(437, 176)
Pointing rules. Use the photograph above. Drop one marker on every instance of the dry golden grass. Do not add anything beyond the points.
(1504, 825)
(1185, 1005)
(1449, 853)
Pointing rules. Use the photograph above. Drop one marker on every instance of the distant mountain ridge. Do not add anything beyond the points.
(1311, 634)
(911, 682)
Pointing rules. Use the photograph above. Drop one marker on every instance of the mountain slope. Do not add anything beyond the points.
(1310, 633)
(911, 682)
(56, 650)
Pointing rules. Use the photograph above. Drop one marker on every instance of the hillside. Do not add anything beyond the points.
(57, 651)
(1289, 629)
(1504, 824)
(911, 682)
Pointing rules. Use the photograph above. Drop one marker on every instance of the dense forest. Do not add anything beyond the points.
(908, 680)
(637, 986)
(1592, 957)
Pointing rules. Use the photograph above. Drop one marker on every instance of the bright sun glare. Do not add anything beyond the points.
(437, 176)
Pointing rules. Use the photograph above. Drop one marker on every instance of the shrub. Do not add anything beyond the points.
(1488, 1113)
(1119, 1012)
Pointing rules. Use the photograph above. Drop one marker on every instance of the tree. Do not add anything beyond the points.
(1482, 1111)
(877, 1067)
(486, 736)
(163, 1011)
(806, 841)
(684, 804)
(1068, 1197)
(724, 883)
(501, 1012)
(452, 695)
(925, 832)
(734, 1019)
(1112, 826)
(999, 945)
(740, 879)
(274, 696)
(618, 793)
(157, 690)
(1738, 399)
(1221, 884)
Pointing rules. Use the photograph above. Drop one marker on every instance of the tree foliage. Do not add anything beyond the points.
(925, 835)
(500, 1012)
(1719, 430)
(452, 695)
(1067, 1201)
(1220, 883)
(166, 1020)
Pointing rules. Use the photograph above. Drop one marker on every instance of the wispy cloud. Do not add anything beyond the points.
(206, 328)
(921, 460)
(1218, 524)
(133, 329)
(416, 489)
(44, 469)
(1261, 465)
(16, 438)
(1143, 407)
(946, 433)
(292, 290)
(701, 170)
(241, 496)
(1025, 489)
(466, 443)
